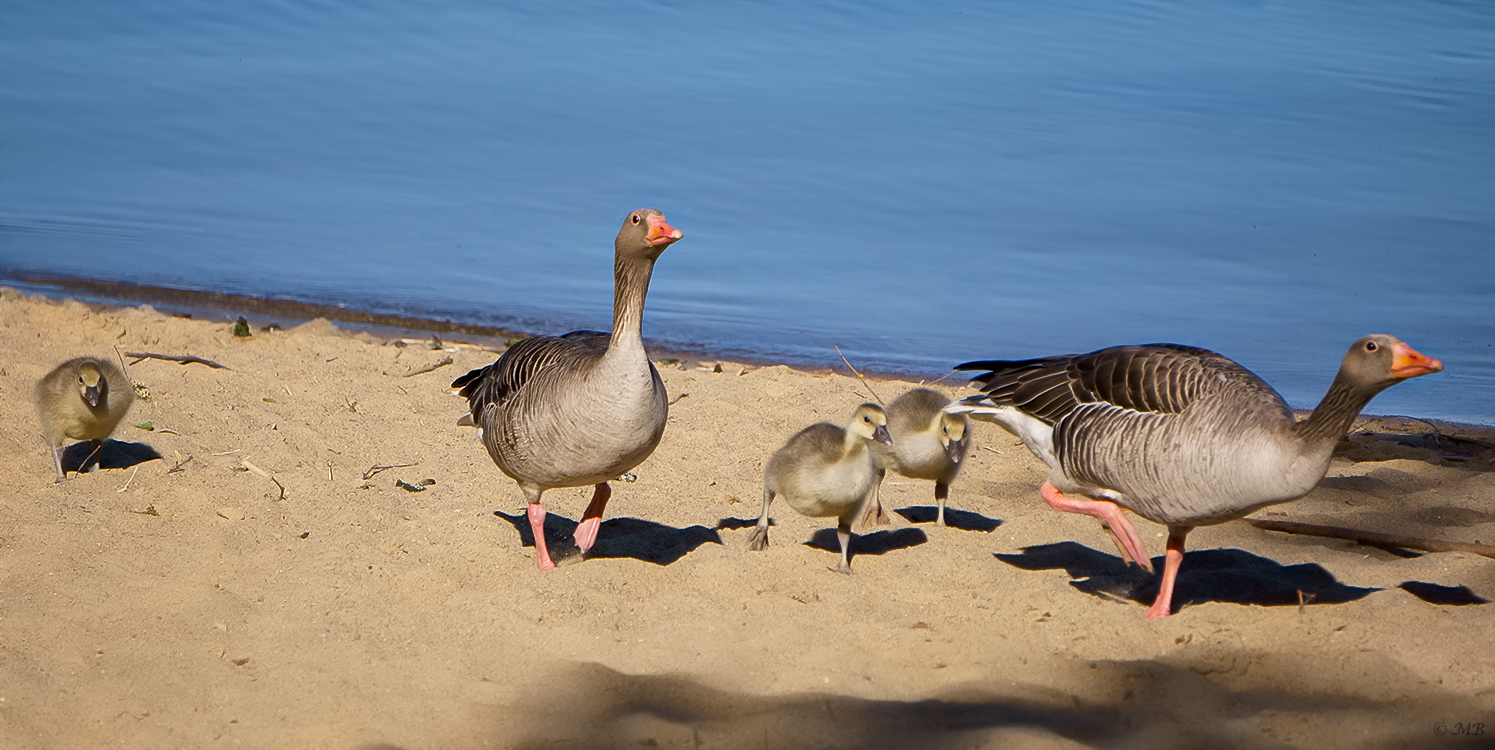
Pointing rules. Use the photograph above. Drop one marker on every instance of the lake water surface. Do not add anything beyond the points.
(920, 183)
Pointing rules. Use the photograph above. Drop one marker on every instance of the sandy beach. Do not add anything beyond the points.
(239, 574)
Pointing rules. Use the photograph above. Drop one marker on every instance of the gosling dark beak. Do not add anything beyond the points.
(954, 451)
(881, 435)
(91, 395)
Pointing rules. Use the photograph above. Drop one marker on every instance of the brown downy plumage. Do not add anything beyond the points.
(824, 471)
(928, 443)
(82, 399)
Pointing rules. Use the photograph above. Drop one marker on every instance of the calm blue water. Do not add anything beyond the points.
(921, 184)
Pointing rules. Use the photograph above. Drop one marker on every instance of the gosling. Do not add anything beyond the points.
(825, 471)
(927, 444)
(82, 399)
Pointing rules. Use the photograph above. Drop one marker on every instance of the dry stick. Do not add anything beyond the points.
(861, 377)
(367, 475)
(185, 359)
(1372, 537)
(676, 400)
(430, 368)
(126, 370)
(939, 379)
(179, 465)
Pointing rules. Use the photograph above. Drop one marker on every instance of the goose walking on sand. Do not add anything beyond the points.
(82, 399)
(928, 443)
(825, 471)
(1178, 435)
(583, 408)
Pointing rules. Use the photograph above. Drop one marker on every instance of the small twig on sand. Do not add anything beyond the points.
(257, 470)
(429, 368)
(179, 464)
(939, 379)
(861, 377)
(676, 400)
(131, 479)
(1372, 537)
(184, 359)
(367, 475)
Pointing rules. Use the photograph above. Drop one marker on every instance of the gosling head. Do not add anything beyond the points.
(91, 384)
(952, 432)
(646, 233)
(870, 422)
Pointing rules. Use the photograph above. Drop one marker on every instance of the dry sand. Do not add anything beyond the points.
(182, 602)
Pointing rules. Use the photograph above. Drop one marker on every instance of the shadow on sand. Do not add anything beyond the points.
(619, 537)
(589, 706)
(1211, 575)
(957, 519)
(876, 543)
(113, 454)
(1432, 593)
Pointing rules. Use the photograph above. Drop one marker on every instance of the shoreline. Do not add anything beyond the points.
(287, 313)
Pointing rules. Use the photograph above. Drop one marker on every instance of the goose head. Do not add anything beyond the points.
(91, 383)
(870, 422)
(645, 233)
(1380, 360)
(951, 429)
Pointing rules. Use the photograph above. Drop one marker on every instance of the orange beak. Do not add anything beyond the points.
(1407, 362)
(661, 233)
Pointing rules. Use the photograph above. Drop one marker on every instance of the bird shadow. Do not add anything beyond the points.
(113, 454)
(733, 524)
(634, 538)
(957, 519)
(1212, 575)
(1432, 593)
(876, 543)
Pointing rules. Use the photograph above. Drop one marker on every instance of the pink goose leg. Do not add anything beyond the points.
(537, 528)
(1111, 517)
(1163, 605)
(586, 531)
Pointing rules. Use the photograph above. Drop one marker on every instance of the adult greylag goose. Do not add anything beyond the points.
(83, 399)
(928, 443)
(825, 471)
(583, 408)
(1178, 435)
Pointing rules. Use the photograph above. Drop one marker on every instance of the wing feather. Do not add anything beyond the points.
(495, 384)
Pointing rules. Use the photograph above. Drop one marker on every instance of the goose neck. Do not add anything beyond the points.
(630, 287)
(1334, 415)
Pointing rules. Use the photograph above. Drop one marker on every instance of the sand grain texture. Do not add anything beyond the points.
(146, 607)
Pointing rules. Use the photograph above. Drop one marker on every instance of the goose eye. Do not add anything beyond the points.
(867, 419)
(1370, 346)
(636, 219)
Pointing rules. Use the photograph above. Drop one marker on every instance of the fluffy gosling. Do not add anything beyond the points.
(82, 399)
(825, 471)
(927, 444)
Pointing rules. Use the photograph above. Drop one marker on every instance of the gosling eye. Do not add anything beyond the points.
(635, 219)
(866, 419)
(1370, 346)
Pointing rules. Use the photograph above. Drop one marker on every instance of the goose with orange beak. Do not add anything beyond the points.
(1178, 435)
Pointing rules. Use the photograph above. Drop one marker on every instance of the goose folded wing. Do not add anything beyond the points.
(496, 383)
(1153, 378)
